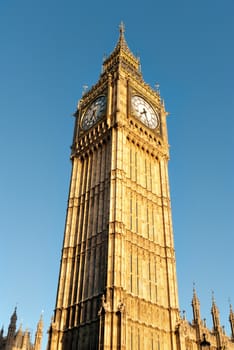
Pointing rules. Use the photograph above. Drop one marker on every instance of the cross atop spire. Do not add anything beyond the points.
(122, 28)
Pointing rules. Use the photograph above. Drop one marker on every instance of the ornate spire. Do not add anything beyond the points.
(196, 306)
(12, 325)
(26, 339)
(215, 313)
(39, 334)
(122, 44)
(121, 50)
(19, 336)
(14, 316)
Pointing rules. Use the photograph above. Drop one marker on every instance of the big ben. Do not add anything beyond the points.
(117, 286)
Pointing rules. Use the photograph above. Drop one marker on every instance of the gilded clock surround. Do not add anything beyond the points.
(94, 112)
(143, 111)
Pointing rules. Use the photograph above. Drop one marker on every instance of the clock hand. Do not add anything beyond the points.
(93, 114)
(144, 112)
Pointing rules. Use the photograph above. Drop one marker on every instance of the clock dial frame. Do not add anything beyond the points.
(94, 112)
(143, 111)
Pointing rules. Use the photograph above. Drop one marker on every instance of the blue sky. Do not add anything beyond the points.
(49, 50)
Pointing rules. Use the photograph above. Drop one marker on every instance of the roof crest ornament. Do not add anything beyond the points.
(195, 291)
(213, 298)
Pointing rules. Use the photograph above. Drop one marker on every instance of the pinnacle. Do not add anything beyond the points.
(122, 44)
(213, 299)
(195, 297)
(14, 315)
(122, 49)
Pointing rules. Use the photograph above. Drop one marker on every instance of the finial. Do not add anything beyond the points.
(121, 28)
(213, 298)
(157, 86)
(195, 298)
(230, 307)
(85, 88)
(41, 317)
(103, 60)
(104, 57)
(139, 61)
(14, 315)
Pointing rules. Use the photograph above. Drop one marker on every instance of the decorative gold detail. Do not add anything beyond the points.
(142, 110)
(94, 112)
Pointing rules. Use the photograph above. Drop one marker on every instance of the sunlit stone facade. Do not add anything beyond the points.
(117, 287)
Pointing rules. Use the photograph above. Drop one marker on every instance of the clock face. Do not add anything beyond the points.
(144, 112)
(94, 112)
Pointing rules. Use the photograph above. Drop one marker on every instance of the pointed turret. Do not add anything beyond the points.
(218, 330)
(196, 307)
(196, 314)
(12, 325)
(11, 330)
(215, 314)
(19, 337)
(39, 334)
(122, 57)
(13, 319)
(122, 44)
(26, 340)
(231, 319)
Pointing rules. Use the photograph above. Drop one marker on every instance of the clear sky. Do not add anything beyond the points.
(48, 51)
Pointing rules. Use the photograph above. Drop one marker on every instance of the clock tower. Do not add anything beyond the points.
(117, 287)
